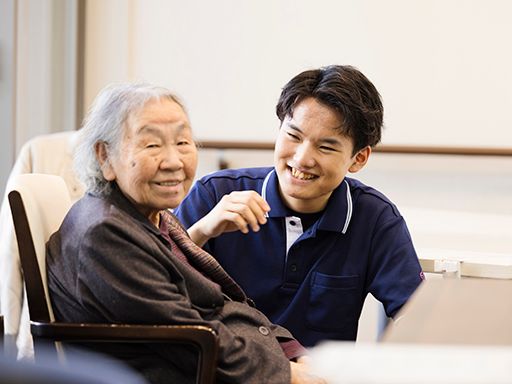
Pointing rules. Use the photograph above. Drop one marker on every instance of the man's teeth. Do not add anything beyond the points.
(301, 175)
(169, 183)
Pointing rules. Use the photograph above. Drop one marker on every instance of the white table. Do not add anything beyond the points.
(349, 363)
(466, 263)
(455, 311)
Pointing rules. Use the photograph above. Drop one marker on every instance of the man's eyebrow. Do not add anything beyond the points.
(325, 140)
(294, 127)
(330, 141)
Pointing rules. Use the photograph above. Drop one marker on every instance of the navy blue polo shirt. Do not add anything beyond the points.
(314, 282)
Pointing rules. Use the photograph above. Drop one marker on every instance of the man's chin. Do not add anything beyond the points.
(293, 194)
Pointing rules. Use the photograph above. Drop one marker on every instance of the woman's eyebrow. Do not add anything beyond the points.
(149, 129)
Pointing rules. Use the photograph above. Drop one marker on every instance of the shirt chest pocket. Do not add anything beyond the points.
(334, 302)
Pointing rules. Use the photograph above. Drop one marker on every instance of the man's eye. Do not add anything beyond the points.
(291, 135)
(324, 148)
(152, 146)
(183, 142)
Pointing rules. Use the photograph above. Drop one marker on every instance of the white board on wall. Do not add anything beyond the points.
(443, 67)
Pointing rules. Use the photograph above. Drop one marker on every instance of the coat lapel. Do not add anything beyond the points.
(201, 259)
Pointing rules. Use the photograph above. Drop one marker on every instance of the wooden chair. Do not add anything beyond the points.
(1, 335)
(38, 205)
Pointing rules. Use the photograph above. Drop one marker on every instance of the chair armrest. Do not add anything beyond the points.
(1, 335)
(202, 337)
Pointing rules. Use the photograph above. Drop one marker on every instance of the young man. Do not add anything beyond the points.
(306, 242)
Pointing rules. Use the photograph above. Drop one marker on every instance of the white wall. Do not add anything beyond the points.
(108, 45)
(442, 66)
(7, 84)
(45, 73)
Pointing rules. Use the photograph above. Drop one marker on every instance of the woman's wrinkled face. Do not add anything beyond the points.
(157, 158)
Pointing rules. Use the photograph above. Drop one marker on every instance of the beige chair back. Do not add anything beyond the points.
(46, 201)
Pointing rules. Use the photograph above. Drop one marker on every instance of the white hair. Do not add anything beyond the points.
(105, 122)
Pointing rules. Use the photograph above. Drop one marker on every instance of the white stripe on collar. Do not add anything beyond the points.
(349, 209)
(264, 188)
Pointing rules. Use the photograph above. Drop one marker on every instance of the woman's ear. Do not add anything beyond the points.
(360, 159)
(102, 155)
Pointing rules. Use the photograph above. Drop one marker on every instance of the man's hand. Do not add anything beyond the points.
(238, 211)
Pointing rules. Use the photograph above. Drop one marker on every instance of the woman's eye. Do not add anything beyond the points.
(152, 145)
(183, 142)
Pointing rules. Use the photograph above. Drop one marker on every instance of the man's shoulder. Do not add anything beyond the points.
(368, 196)
(241, 176)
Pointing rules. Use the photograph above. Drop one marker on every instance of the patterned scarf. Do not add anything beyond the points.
(201, 259)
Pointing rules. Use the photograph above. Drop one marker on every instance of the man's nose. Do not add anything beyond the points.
(304, 155)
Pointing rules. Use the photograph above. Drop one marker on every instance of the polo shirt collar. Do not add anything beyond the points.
(338, 207)
(270, 192)
(338, 213)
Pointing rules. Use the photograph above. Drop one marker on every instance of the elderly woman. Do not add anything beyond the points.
(121, 257)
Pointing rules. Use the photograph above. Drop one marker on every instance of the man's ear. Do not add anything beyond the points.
(360, 159)
(102, 155)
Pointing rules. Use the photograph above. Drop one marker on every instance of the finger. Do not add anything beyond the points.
(258, 205)
(259, 210)
(262, 203)
(249, 213)
(249, 204)
(250, 198)
(228, 215)
(234, 221)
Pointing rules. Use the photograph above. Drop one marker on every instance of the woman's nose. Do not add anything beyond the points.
(171, 159)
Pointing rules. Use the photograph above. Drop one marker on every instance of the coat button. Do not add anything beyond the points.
(263, 330)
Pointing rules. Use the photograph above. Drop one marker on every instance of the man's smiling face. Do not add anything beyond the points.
(312, 156)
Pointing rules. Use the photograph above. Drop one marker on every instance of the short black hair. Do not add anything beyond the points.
(347, 91)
